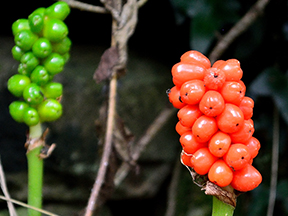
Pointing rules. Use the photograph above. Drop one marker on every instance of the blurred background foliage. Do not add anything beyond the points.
(166, 29)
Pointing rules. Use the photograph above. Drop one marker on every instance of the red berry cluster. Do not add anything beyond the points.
(215, 125)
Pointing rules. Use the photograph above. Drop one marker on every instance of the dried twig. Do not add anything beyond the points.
(238, 29)
(86, 7)
(173, 188)
(93, 8)
(140, 146)
(274, 166)
(11, 208)
(27, 206)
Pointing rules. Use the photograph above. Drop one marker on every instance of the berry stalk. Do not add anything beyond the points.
(221, 209)
(35, 172)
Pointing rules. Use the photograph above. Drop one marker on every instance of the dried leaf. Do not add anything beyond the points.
(108, 61)
(223, 195)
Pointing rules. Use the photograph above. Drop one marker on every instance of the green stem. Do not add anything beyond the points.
(221, 209)
(35, 173)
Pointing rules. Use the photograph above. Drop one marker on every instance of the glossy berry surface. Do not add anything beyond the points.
(204, 128)
(237, 157)
(220, 173)
(192, 91)
(212, 103)
(17, 83)
(202, 160)
(49, 110)
(246, 179)
(16, 110)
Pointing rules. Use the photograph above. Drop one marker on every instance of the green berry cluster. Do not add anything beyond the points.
(42, 48)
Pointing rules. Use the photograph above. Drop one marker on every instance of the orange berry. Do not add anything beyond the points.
(183, 72)
(188, 115)
(231, 119)
(237, 156)
(203, 128)
(186, 159)
(253, 145)
(246, 179)
(220, 174)
(219, 144)
(245, 132)
(192, 91)
(180, 129)
(189, 143)
(233, 92)
(195, 57)
(214, 79)
(217, 63)
(212, 103)
(247, 105)
(202, 160)
(174, 97)
(232, 69)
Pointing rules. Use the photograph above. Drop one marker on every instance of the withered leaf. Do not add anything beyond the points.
(109, 60)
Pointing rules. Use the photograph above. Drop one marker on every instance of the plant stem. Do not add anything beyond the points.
(221, 209)
(35, 172)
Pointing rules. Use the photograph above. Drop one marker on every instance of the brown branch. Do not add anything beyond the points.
(274, 166)
(93, 8)
(86, 7)
(173, 189)
(140, 146)
(238, 29)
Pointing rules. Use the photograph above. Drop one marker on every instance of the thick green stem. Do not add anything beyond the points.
(35, 173)
(221, 209)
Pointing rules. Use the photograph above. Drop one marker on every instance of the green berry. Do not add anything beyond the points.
(17, 83)
(59, 10)
(42, 48)
(29, 61)
(19, 25)
(49, 110)
(66, 57)
(17, 53)
(53, 90)
(63, 46)
(32, 94)
(40, 75)
(30, 116)
(54, 63)
(36, 20)
(16, 109)
(55, 30)
(25, 39)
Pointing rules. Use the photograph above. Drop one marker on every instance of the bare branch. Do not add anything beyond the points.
(86, 7)
(255, 11)
(140, 146)
(11, 208)
(275, 159)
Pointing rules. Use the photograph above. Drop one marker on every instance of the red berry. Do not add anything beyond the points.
(245, 132)
(180, 129)
(233, 92)
(232, 69)
(202, 160)
(247, 105)
(204, 128)
(195, 57)
(188, 115)
(214, 78)
(219, 144)
(237, 156)
(212, 103)
(253, 145)
(246, 179)
(186, 159)
(189, 144)
(231, 119)
(183, 72)
(174, 97)
(220, 174)
(217, 63)
(192, 91)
